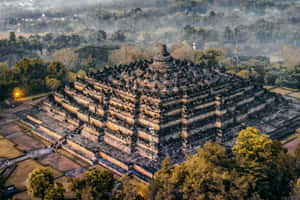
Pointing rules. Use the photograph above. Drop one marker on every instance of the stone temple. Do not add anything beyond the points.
(128, 118)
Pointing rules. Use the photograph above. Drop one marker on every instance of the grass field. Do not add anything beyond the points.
(8, 149)
(24, 168)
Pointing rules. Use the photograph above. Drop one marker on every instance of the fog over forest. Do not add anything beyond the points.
(239, 27)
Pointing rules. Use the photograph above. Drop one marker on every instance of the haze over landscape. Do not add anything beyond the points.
(153, 99)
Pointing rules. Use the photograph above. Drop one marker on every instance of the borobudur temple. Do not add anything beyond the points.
(129, 117)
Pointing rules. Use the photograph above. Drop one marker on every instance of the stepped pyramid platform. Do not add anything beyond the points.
(129, 117)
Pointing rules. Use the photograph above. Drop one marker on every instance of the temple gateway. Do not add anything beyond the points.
(128, 118)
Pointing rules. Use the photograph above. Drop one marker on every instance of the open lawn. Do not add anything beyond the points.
(24, 168)
(8, 149)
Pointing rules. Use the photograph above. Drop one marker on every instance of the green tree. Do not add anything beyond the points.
(81, 73)
(228, 35)
(71, 77)
(118, 36)
(295, 75)
(39, 181)
(209, 57)
(128, 189)
(3, 67)
(162, 186)
(101, 35)
(95, 184)
(55, 192)
(266, 163)
(90, 63)
(52, 83)
(12, 37)
(209, 174)
(67, 57)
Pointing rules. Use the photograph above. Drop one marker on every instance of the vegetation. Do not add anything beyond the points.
(130, 189)
(95, 184)
(40, 183)
(32, 76)
(259, 169)
(55, 192)
(20, 175)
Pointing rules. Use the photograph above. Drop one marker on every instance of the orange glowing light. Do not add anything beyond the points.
(17, 93)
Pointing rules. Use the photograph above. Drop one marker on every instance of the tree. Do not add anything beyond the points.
(209, 174)
(3, 67)
(228, 35)
(71, 77)
(67, 57)
(52, 83)
(81, 74)
(12, 37)
(248, 74)
(39, 181)
(118, 36)
(90, 63)
(101, 35)
(183, 51)
(266, 163)
(94, 185)
(296, 75)
(126, 55)
(209, 57)
(55, 192)
(129, 189)
(162, 186)
(290, 56)
(56, 70)
(151, 51)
